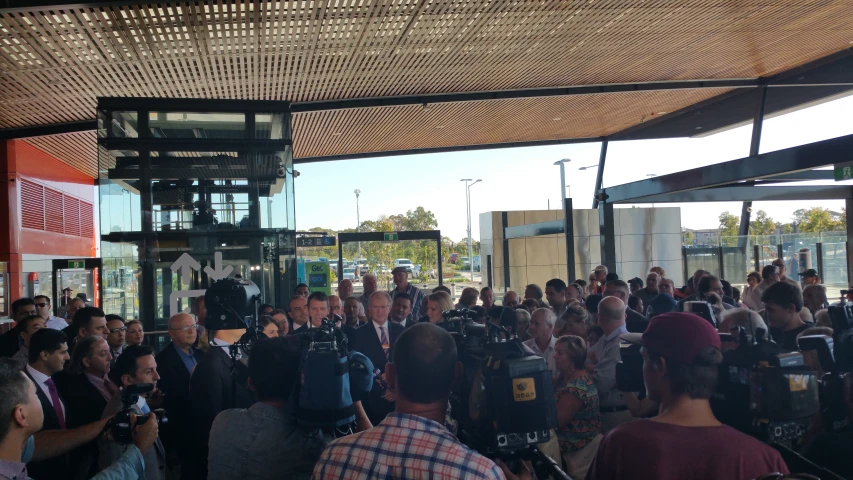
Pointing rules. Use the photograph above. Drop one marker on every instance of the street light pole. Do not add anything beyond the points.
(357, 220)
(468, 209)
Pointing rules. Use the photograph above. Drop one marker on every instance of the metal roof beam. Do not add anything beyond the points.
(48, 129)
(789, 160)
(748, 193)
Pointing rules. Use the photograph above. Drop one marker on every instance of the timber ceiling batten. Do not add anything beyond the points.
(55, 61)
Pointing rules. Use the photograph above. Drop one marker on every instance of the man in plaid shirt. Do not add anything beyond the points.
(401, 280)
(412, 442)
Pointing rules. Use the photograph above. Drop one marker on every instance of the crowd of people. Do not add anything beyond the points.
(63, 378)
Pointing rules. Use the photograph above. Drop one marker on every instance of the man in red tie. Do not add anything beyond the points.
(48, 353)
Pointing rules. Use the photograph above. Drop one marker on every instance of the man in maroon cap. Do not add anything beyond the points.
(681, 358)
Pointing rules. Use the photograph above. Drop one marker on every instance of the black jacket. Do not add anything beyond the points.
(10, 343)
(211, 393)
(175, 384)
(52, 468)
(84, 405)
(365, 340)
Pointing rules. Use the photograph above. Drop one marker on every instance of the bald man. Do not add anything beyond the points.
(175, 363)
(511, 299)
(602, 359)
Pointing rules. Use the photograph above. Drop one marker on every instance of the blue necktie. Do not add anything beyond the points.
(145, 409)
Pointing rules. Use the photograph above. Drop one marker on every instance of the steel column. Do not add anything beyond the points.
(848, 205)
(569, 229)
(607, 235)
(819, 259)
(780, 251)
(754, 145)
(599, 176)
(756, 258)
(504, 223)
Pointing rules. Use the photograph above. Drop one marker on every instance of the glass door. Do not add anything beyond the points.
(77, 278)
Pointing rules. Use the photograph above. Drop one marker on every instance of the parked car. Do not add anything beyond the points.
(405, 262)
(349, 274)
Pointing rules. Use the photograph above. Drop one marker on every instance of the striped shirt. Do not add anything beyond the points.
(417, 297)
(405, 447)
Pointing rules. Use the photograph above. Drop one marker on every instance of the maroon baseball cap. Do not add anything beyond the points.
(677, 336)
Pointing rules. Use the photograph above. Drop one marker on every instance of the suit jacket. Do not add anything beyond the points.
(84, 404)
(175, 384)
(10, 343)
(52, 468)
(109, 450)
(211, 393)
(365, 340)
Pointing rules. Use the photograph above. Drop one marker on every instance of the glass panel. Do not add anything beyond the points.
(768, 248)
(800, 250)
(705, 258)
(3, 302)
(120, 279)
(834, 274)
(812, 124)
(197, 125)
(271, 126)
(117, 124)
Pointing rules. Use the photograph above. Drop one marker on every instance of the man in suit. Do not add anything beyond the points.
(11, 341)
(401, 309)
(27, 327)
(87, 321)
(136, 365)
(48, 353)
(298, 314)
(175, 364)
(211, 393)
(376, 340)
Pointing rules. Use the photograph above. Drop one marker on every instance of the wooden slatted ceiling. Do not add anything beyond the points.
(79, 150)
(53, 64)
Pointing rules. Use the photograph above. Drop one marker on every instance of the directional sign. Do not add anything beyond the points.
(217, 272)
(324, 241)
(843, 171)
(76, 264)
(186, 264)
(391, 237)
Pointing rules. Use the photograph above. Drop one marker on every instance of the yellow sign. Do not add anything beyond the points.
(523, 389)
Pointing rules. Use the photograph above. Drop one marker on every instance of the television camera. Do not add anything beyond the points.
(505, 402)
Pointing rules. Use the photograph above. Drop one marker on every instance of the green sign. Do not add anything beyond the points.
(391, 237)
(318, 277)
(76, 264)
(843, 171)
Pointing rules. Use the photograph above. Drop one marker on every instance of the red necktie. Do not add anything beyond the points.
(57, 404)
(110, 386)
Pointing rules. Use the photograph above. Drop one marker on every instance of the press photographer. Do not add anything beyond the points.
(21, 416)
(681, 362)
(134, 367)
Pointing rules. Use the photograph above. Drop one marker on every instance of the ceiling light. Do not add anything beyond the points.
(556, 119)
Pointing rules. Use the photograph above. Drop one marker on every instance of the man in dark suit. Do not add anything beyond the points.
(11, 341)
(376, 340)
(401, 309)
(298, 314)
(175, 363)
(48, 353)
(211, 393)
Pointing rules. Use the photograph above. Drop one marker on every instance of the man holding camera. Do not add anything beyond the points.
(681, 361)
(412, 442)
(135, 366)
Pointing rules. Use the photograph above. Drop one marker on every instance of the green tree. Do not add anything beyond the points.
(729, 224)
(762, 224)
(688, 238)
(816, 219)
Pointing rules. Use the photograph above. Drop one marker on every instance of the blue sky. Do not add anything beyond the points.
(526, 178)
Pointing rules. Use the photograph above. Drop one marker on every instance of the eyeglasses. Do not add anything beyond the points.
(119, 329)
(187, 328)
(42, 305)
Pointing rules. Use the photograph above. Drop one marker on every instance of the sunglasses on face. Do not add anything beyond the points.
(119, 329)
(42, 305)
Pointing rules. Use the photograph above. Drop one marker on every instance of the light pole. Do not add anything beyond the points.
(468, 205)
(588, 166)
(357, 220)
(562, 163)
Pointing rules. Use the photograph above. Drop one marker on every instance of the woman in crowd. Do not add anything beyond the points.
(814, 298)
(523, 318)
(579, 419)
(574, 321)
(437, 303)
(753, 279)
(269, 326)
(583, 284)
(135, 333)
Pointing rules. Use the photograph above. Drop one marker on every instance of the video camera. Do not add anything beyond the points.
(331, 377)
(120, 426)
(505, 404)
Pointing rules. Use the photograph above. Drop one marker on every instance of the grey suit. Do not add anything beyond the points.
(110, 450)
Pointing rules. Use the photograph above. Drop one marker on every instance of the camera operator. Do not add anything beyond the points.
(681, 361)
(264, 441)
(413, 438)
(21, 417)
(135, 366)
(731, 320)
(782, 305)
(602, 360)
(831, 450)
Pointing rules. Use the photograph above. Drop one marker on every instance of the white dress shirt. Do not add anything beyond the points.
(378, 328)
(548, 354)
(40, 378)
(56, 323)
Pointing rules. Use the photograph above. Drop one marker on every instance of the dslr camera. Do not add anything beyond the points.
(120, 426)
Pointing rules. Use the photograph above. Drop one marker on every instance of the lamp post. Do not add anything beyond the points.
(468, 205)
(588, 166)
(357, 219)
(562, 163)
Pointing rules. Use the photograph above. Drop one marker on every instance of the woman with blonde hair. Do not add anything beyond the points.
(437, 304)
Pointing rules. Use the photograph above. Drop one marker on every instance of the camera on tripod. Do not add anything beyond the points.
(120, 426)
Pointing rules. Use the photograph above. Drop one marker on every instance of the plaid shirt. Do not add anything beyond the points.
(406, 447)
(417, 297)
